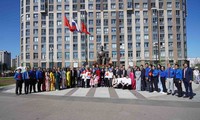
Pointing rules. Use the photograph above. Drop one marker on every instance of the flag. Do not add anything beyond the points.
(84, 28)
(74, 26)
(66, 22)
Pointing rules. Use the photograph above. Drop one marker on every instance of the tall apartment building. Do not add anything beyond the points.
(5, 58)
(132, 31)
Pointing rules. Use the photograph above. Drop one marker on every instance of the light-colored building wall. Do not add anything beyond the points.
(128, 30)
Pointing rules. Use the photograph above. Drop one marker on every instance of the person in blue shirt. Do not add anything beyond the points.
(163, 79)
(39, 78)
(26, 78)
(155, 78)
(147, 70)
(170, 79)
(178, 79)
(19, 81)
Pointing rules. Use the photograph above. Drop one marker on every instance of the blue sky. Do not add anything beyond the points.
(10, 27)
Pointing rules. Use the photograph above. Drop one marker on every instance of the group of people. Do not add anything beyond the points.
(149, 78)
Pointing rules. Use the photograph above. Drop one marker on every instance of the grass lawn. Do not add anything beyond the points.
(6, 81)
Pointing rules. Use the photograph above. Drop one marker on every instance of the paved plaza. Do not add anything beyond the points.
(104, 92)
(97, 104)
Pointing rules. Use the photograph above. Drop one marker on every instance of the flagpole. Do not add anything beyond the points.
(86, 43)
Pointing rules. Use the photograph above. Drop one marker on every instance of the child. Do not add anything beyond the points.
(92, 81)
(96, 80)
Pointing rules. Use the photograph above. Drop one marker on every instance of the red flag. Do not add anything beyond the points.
(84, 28)
(66, 22)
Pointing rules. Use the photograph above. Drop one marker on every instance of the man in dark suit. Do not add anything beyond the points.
(187, 80)
(123, 72)
(73, 77)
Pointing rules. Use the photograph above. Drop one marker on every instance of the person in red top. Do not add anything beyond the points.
(98, 73)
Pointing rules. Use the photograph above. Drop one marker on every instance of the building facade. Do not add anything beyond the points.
(16, 62)
(132, 31)
(5, 60)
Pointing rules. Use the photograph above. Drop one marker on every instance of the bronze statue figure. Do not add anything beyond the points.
(101, 57)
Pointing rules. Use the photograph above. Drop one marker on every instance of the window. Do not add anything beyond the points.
(75, 46)
(162, 53)
(113, 13)
(59, 7)
(137, 53)
(67, 55)
(113, 37)
(137, 13)
(114, 54)
(146, 36)
(75, 55)
(169, 12)
(129, 37)
(27, 17)
(50, 15)
(105, 38)
(98, 15)
(130, 45)
(43, 31)
(59, 55)
(98, 30)
(43, 56)
(50, 7)
(177, 5)
(113, 21)
(145, 13)
(114, 45)
(90, 6)
(177, 13)
(170, 36)
(121, 5)
(35, 39)
(146, 44)
(171, 53)
(130, 54)
(91, 46)
(59, 23)
(98, 7)
(122, 54)
(35, 8)
(67, 38)
(145, 5)
(50, 39)
(169, 4)
(146, 53)
(169, 28)
(138, 44)
(138, 37)
(91, 55)
(105, 30)
(35, 47)
(146, 28)
(137, 5)
(113, 6)
(137, 29)
(137, 21)
(145, 20)
(27, 55)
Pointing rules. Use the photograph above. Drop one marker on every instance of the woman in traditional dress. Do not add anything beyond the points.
(132, 76)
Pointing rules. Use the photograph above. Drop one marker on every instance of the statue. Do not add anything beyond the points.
(101, 57)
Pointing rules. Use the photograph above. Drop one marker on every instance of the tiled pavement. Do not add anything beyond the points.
(104, 92)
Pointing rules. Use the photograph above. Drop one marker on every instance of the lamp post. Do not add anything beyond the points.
(1, 63)
(156, 46)
(51, 49)
(158, 42)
